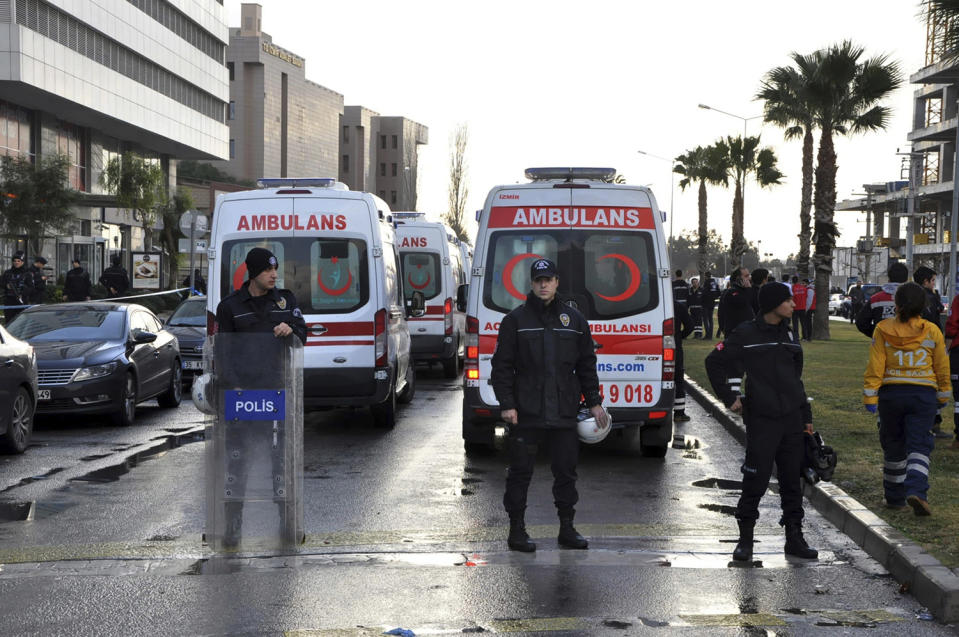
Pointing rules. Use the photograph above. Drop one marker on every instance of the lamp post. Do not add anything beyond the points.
(745, 119)
(671, 179)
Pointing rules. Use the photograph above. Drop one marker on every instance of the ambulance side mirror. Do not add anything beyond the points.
(416, 304)
(461, 293)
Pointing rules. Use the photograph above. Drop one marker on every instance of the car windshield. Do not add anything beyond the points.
(69, 325)
(190, 314)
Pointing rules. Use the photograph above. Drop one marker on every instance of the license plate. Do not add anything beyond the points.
(43, 394)
(192, 364)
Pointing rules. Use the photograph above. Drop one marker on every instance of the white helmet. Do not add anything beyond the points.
(202, 393)
(587, 428)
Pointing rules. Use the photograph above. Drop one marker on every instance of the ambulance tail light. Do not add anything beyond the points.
(210, 323)
(669, 351)
(379, 337)
(472, 348)
(448, 317)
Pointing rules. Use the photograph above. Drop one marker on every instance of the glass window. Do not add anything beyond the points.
(394, 141)
(231, 114)
(346, 134)
(338, 275)
(382, 141)
(69, 325)
(232, 149)
(619, 273)
(234, 274)
(189, 314)
(393, 165)
(510, 258)
(392, 266)
(382, 169)
(421, 272)
(346, 163)
(229, 66)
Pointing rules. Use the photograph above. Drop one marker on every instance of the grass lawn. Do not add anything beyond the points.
(833, 378)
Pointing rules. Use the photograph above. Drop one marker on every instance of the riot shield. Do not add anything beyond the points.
(254, 446)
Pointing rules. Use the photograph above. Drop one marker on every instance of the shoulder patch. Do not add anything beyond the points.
(297, 313)
(564, 319)
(720, 346)
(281, 303)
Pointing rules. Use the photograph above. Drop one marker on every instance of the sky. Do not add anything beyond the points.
(563, 83)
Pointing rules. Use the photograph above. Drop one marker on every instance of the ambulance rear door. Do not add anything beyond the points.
(424, 270)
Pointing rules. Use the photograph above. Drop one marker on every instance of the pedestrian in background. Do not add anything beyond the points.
(882, 305)
(115, 278)
(799, 291)
(735, 305)
(757, 278)
(907, 380)
(857, 298)
(696, 307)
(199, 284)
(17, 284)
(952, 339)
(767, 355)
(683, 327)
(711, 294)
(544, 362)
(810, 311)
(76, 286)
(39, 280)
(932, 312)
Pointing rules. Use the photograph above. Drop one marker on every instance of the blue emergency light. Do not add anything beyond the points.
(295, 182)
(568, 174)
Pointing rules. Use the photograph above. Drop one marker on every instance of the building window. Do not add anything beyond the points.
(346, 163)
(383, 141)
(229, 66)
(346, 134)
(382, 194)
(231, 114)
(382, 169)
(173, 19)
(15, 131)
(394, 169)
(70, 144)
(394, 141)
(392, 197)
(232, 149)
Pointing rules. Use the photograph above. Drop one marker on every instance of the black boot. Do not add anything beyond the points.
(796, 543)
(568, 536)
(518, 539)
(744, 547)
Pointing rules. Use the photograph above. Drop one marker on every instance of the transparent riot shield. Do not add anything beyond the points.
(254, 445)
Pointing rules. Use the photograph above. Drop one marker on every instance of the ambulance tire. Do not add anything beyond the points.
(406, 396)
(645, 441)
(651, 441)
(451, 367)
(384, 414)
(478, 441)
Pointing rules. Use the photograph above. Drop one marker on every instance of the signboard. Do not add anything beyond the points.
(186, 219)
(254, 404)
(199, 246)
(145, 273)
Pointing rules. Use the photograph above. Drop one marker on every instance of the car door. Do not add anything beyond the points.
(145, 356)
(166, 345)
(8, 377)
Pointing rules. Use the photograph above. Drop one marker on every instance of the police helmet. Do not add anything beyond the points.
(588, 429)
(202, 392)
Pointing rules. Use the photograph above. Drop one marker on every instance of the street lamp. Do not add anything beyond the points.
(671, 178)
(745, 119)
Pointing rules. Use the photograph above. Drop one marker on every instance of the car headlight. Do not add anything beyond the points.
(95, 371)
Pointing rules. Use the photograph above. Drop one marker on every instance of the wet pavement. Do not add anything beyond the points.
(405, 531)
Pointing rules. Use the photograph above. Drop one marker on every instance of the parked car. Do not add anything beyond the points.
(188, 324)
(100, 358)
(18, 392)
(835, 303)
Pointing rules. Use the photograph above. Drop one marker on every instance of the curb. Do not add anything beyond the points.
(934, 585)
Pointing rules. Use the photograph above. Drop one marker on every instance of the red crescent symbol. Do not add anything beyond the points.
(508, 273)
(331, 291)
(419, 287)
(634, 278)
(238, 276)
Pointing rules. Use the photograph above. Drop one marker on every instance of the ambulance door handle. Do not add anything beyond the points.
(318, 329)
(395, 314)
(339, 359)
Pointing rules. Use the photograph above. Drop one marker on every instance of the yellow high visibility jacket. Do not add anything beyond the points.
(911, 353)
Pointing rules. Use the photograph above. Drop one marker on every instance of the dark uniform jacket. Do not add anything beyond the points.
(544, 361)
(880, 306)
(39, 284)
(710, 292)
(695, 297)
(76, 287)
(115, 278)
(771, 359)
(17, 284)
(933, 310)
(735, 307)
(680, 291)
(683, 321)
(241, 312)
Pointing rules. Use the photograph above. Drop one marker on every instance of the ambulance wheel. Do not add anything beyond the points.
(451, 366)
(384, 414)
(406, 396)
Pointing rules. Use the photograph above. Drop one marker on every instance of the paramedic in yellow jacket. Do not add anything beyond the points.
(907, 377)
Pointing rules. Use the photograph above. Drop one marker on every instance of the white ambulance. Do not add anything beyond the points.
(336, 253)
(431, 263)
(608, 243)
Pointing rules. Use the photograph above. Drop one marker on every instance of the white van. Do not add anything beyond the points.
(608, 242)
(431, 263)
(337, 255)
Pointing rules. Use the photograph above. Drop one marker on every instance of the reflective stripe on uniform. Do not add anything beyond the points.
(945, 394)
(870, 392)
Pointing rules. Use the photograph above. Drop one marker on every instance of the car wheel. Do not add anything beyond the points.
(174, 394)
(128, 403)
(18, 434)
(384, 414)
(406, 396)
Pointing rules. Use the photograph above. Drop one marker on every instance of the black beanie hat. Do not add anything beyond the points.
(258, 260)
(772, 295)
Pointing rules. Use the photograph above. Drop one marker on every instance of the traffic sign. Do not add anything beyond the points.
(199, 246)
(186, 220)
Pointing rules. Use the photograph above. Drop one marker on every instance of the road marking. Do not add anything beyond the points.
(739, 619)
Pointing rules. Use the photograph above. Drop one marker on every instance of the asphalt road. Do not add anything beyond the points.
(403, 530)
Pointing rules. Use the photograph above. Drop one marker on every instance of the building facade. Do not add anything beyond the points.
(93, 79)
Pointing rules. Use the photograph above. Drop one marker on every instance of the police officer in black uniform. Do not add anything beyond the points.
(544, 361)
(39, 279)
(17, 284)
(775, 411)
(683, 328)
(115, 278)
(735, 306)
(258, 306)
(710, 296)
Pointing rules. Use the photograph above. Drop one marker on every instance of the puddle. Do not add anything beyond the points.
(718, 483)
(612, 623)
(719, 508)
(32, 479)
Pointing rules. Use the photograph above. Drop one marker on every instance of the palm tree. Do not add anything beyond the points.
(745, 158)
(705, 165)
(844, 94)
(944, 12)
(787, 106)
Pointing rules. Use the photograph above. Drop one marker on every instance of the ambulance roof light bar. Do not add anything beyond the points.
(569, 174)
(408, 215)
(295, 182)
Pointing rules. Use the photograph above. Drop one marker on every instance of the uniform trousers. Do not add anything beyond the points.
(523, 443)
(906, 413)
(954, 375)
(807, 324)
(679, 403)
(708, 321)
(769, 439)
(696, 314)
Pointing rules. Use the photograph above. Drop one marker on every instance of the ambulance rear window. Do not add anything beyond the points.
(421, 272)
(234, 275)
(338, 275)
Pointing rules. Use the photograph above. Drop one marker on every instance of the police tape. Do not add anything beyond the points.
(112, 298)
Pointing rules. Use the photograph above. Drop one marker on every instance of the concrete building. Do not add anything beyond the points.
(92, 80)
(281, 124)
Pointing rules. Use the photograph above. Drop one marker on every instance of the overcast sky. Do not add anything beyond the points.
(588, 84)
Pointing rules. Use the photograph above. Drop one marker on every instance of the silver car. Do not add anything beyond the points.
(18, 392)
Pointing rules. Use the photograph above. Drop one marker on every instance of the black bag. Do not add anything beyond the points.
(820, 461)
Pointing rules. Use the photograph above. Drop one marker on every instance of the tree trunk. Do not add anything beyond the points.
(737, 245)
(805, 205)
(825, 235)
(703, 232)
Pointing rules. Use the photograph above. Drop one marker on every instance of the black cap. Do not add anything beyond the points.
(17, 255)
(542, 268)
(258, 260)
(39, 260)
(772, 295)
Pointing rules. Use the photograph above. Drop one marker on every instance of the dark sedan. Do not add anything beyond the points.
(188, 324)
(18, 392)
(100, 358)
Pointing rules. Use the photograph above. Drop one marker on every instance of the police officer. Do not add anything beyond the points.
(199, 283)
(882, 304)
(115, 278)
(710, 296)
(17, 284)
(544, 362)
(735, 305)
(39, 279)
(775, 411)
(258, 306)
(757, 279)
(696, 307)
(684, 327)
(76, 286)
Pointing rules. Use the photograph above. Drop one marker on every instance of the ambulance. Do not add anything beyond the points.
(607, 240)
(337, 255)
(431, 263)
